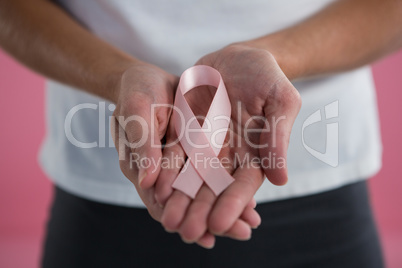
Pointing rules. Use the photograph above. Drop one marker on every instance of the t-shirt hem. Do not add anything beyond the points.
(320, 181)
(300, 185)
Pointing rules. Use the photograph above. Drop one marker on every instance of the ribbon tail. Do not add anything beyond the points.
(218, 181)
(188, 181)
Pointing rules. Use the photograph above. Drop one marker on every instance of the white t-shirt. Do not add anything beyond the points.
(335, 139)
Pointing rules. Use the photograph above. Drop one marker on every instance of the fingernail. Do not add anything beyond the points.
(141, 177)
(249, 236)
(208, 246)
(169, 231)
(258, 225)
(187, 241)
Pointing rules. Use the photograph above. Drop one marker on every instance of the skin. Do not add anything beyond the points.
(31, 32)
(159, 90)
(343, 36)
(243, 69)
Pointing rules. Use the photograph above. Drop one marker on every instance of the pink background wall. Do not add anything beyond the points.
(25, 193)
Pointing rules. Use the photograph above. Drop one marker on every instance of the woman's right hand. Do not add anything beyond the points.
(144, 97)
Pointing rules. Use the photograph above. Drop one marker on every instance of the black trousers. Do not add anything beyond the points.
(331, 229)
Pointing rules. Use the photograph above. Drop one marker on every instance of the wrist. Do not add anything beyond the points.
(145, 79)
(285, 53)
(116, 76)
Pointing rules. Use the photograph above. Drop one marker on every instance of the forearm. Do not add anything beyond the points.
(43, 37)
(343, 36)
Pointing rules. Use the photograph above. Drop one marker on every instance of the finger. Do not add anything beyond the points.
(240, 230)
(235, 198)
(252, 203)
(251, 217)
(174, 211)
(143, 137)
(147, 195)
(174, 156)
(207, 241)
(275, 137)
(195, 222)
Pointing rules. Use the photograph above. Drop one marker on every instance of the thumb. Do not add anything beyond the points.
(141, 136)
(280, 111)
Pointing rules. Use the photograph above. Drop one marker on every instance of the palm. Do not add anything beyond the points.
(259, 92)
(146, 93)
(264, 106)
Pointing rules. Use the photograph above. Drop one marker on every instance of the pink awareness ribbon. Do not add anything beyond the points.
(204, 141)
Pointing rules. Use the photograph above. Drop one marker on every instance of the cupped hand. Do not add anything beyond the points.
(144, 106)
(264, 107)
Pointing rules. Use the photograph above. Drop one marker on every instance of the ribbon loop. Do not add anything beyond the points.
(198, 143)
